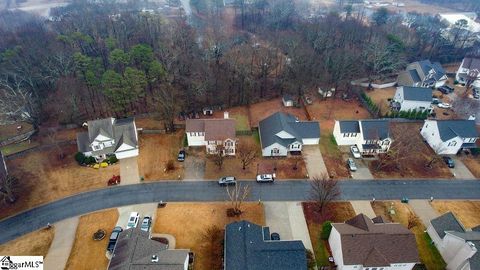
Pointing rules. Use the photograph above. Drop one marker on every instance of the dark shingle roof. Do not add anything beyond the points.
(215, 129)
(245, 249)
(134, 250)
(446, 222)
(280, 121)
(375, 129)
(426, 66)
(349, 127)
(414, 76)
(83, 142)
(376, 244)
(417, 93)
(449, 129)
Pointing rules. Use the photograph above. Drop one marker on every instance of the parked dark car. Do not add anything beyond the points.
(275, 236)
(181, 155)
(476, 93)
(113, 238)
(449, 161)
(445, 89)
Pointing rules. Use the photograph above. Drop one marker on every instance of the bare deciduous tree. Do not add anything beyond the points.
(323, 191)
(435, 157)
(246, 152)
(7, 189)
(412, 221)
(237, 194)
(219, 157)
(213, 238)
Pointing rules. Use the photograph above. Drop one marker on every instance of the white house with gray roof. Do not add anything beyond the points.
(109, 136)
(469, 72)
(448, 137)
(409, 98)
(370, 136)
(458, 245)
(423, 74)
(282, 133)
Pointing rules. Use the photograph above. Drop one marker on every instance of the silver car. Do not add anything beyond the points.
(351, 164)
(227, 180)
(265, 177)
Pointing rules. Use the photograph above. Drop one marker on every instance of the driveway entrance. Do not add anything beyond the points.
(314, 161)
(129, 171)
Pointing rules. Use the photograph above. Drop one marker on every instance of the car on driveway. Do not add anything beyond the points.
(146, 223)
(113, 238)
(355, 151)
(445, 89)
(181, 155)
(449, 161)
(133, 220)
(476, 93)
(351, 164)
(435, 101)
(265, 178)
(444, 105)
(227, 180)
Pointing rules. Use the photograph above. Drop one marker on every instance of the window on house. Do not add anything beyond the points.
(345, 134)
(275, 151)
(97, 147)
(454, 143)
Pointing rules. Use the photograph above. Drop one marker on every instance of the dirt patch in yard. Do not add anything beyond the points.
(43, 178)
(262, 110)
(473, 164)
(429, 255)
(465, 211)
(156, 150)
(381, 96)
(87, 253)
(33, 244)
(195, 219)
(333, 157)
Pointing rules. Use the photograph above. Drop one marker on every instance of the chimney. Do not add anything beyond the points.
(154, 258)
(225, 115)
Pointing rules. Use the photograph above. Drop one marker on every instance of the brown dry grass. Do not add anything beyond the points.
(151, 122)
(428, 253)
(188, 221)
(33, 244)
(381, 96)
(155, 151)
(10, 130)
(466, 211)
(262, 110)
(412, 166)
(87, 253)
(44, 136)
(473, 164)
(239, 113)
(43, 178)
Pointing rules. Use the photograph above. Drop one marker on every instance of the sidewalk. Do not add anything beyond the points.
(62, 243)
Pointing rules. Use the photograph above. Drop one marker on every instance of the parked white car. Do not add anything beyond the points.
(146, 223)
(133, 220)
(355, 151)
(351, 165)
(265, 177)
(444, 105)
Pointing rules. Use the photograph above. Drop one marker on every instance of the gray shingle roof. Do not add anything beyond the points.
(446, 222)
(375, 129)
(417, 93)
(83, 142)
(414, 76)
(475, 259)
(102, 127)
(471, 63)
(449, 129)
(426, 66)
(245, 249)
(270, 126)
(349, 127)
(134, 250)
(467, 235)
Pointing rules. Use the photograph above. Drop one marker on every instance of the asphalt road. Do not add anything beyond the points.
(201, 191)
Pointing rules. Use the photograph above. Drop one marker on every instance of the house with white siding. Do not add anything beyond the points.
(469, 72)
(423, 74)
(213, 134)
(282, 133)
(109, 136)
(448, 137)
(409, 98)
(370, 136)
(362, 243)
(458, 245)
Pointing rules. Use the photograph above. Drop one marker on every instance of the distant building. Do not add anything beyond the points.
(409, 98)
(370, 136)
(109, 136)
(458, 246)
(249, 246)
(448, 137)
(135, 250)
(469, 72)
(282, 133)
(288, 100)
(364, 243)
(213, 134)
(423, 74)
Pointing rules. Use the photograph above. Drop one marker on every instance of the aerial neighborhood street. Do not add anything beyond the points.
(240, 135)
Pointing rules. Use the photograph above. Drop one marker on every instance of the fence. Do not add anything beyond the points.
(18, 138)
(39, 148)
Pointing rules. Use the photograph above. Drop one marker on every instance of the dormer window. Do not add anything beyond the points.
(96, 147)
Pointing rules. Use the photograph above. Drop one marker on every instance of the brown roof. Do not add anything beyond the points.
(215, 129)
(376, 244)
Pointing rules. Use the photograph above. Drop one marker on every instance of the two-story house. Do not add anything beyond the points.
(109, 136)
(283, 133)
(469, 72)
(448, 137)
(362, 243)
(458, 246)
(408, 98)
(213, 134)
(423, 74)
(370, 136)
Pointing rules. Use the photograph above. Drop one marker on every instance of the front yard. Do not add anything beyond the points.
(36, 243)
(473, 164)
(429, 254)
(87, 253)
(188, 223)
(466, 211)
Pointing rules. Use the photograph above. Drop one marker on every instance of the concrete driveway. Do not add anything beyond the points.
(146, 209)
(461, 171)
(314, 161)
(194, 165)
(362, 172)
(288, 220)
(129, 171)
(423, 210)
(62, 243)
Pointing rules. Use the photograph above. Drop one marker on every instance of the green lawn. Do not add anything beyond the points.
(429, 254)
(17, 147)
(256, 136)
(321, 254)
(242, 122)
